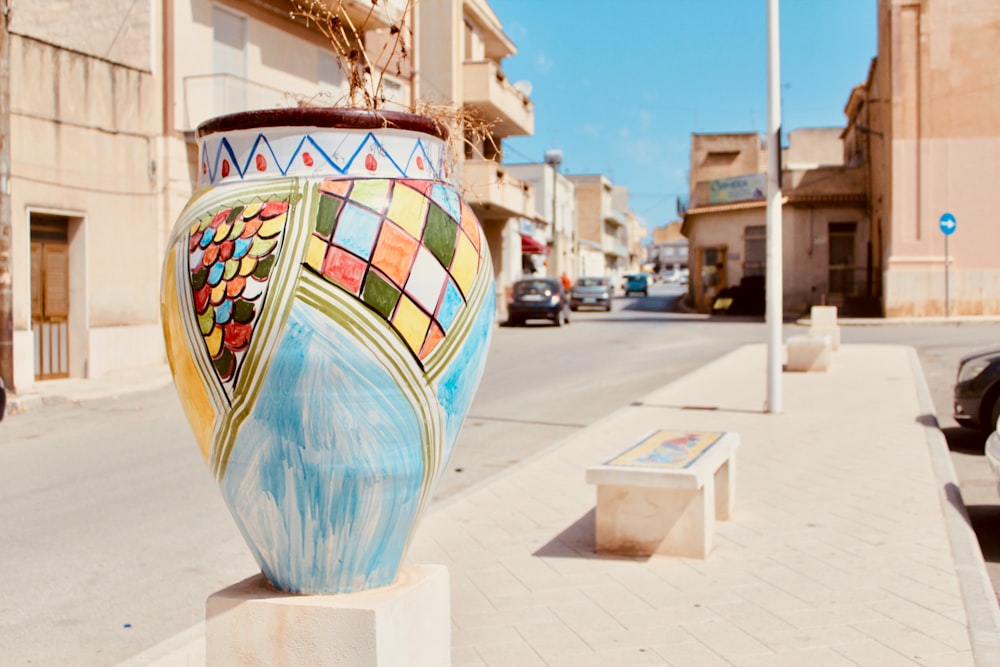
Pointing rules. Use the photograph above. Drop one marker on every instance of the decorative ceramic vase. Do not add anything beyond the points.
(327, 305)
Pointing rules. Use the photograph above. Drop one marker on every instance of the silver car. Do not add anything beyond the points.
(591, 292)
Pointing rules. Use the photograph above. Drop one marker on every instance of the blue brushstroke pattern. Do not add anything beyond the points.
(451, 303)
(445, 197)
(325, 473)
(458, 384)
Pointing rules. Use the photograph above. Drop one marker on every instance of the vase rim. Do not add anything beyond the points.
(363, 119)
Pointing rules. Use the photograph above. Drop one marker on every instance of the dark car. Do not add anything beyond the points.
(977, 390)
(538, 299)
(591, 293)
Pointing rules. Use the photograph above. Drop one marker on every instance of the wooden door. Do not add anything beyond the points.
(50, 303)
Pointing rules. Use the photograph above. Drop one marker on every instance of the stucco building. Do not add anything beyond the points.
(105, 98)
(668, 250)
(824, 219)
(602, 224)
(462, 66)
(862, 209)
(550, 237)
(928, 115)
(86, 199)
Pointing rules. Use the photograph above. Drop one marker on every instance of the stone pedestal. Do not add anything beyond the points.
(406, 623)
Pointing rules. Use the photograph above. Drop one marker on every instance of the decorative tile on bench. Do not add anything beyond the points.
(673, 449)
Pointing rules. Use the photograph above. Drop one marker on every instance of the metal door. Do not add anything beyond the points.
(841, 258)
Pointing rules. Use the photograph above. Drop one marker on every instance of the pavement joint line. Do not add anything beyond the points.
(981, 606)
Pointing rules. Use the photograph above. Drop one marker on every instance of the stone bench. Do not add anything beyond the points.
(663, 494)
(808, 353)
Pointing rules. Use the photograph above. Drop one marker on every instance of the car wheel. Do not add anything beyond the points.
(574, 308)
(607, 308)
(645, 292)
(515, 321)
(558, 319)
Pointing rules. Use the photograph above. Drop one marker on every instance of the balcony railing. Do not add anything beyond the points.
(614, 217)
(488, 185)
(612, 246)
(210, 95)
(360, 12)
(487, 90)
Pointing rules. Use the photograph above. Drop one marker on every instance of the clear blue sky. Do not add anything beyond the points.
(620, 85)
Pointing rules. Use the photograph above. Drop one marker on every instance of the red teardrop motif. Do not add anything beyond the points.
(201, 298)
(261, 163)
(237, 335)
(420, 163)
(371, 164)
(225, 168)
(308, 159)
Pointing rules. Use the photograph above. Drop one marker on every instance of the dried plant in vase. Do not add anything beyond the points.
(347, 36)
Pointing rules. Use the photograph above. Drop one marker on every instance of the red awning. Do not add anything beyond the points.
(530, 246)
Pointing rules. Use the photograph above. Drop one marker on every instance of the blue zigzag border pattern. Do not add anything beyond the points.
(224, 148)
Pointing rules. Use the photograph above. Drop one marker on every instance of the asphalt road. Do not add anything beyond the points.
(113, 531)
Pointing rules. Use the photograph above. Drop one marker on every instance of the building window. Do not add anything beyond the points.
(755, 254)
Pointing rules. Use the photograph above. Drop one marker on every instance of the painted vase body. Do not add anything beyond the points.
(327, 304)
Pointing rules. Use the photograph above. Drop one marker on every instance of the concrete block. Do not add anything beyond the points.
(654, 508)
(824, 316)
(823, 322)
(406, 623)
(808, 353)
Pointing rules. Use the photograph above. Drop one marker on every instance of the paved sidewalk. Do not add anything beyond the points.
(849, 544)
(116, 383)
(846, 547)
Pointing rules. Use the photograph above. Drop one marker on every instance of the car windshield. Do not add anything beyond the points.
(592, 282)
(534, 287)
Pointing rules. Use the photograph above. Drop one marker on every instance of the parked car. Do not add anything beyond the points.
(538, 299)
(637, 283)
(677, 276)
(977, 390)
(590, 292)
(993, 455)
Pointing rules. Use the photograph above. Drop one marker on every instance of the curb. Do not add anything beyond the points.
(981, 608)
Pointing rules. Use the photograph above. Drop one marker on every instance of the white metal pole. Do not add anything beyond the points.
(947, 266)
(773, 283)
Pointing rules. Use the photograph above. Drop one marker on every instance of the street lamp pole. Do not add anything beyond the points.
(773, 282)
(6, 230)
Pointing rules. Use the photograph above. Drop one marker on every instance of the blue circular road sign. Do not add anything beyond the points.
(947, 223)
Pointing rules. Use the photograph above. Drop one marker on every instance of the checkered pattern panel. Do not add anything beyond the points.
(408, 249)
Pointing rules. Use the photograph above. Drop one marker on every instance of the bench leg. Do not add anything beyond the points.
(635, 521)
(725, 490)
